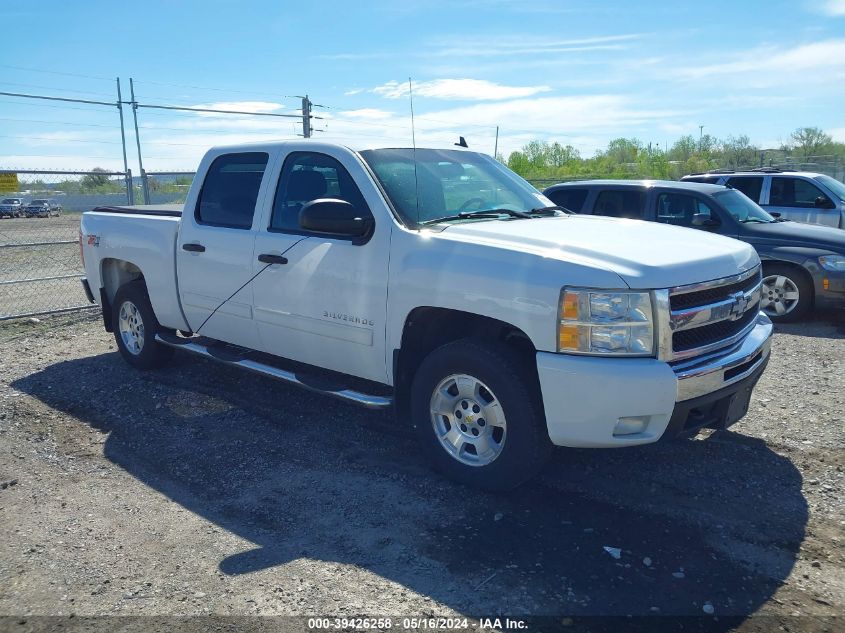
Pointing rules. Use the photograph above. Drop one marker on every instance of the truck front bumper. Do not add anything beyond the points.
(611, 402)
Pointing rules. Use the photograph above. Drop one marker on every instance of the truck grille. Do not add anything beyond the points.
(708, 316)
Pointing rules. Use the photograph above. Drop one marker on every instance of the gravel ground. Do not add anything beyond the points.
(198, 490)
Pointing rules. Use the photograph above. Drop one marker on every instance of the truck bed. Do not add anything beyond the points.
(118, 240)
(170, 210)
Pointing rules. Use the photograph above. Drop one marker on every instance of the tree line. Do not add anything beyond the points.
(631, 158)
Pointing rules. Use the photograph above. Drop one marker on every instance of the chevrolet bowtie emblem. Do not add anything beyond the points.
(739, 305)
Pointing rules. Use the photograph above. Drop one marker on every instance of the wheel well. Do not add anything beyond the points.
(113, 274)
(769, 263)
(427, 328)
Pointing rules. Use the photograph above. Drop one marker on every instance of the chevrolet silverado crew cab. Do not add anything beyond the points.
(440, 284)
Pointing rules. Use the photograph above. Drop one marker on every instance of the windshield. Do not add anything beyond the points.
(41, 202)
(834, 185)
(447, 183)
(741, 207)
(11, 201)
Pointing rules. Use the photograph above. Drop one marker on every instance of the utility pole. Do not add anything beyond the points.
(138, 141)
(130, 194)
(496, 145)
(306, 117)
(700, 136)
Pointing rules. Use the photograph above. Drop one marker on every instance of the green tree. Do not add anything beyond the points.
(737, 151)
(809, 141)
(97, 179)
(683, 149)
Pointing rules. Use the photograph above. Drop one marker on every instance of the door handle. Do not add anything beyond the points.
(266, 258)
(193, 248)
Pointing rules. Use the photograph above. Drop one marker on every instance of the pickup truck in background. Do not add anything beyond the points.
(440, 284)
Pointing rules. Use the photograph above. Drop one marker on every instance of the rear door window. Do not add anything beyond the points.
(620, 203)
(793, 192)
(230, 190)
(569, 198)
(678, 209)
(751, 187)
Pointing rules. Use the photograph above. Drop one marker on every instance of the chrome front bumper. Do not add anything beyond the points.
(706, 374)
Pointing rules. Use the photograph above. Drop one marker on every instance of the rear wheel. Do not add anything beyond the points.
(477, 417)
(787, 294)
(135, 326)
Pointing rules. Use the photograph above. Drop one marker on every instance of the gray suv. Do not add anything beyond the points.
(11, 207)
(802, 196)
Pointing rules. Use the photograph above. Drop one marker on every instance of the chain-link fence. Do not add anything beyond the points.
(168, 187)
(40, 266)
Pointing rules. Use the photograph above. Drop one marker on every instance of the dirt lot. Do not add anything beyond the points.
(200, 490)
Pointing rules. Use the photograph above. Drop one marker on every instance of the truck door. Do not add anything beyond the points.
(215, 249)
(326, 305)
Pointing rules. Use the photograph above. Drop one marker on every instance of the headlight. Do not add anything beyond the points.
(835, 263)
(605, 323)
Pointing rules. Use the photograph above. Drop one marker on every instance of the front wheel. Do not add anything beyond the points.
(477, 416)
(787, 295)
(135, 326)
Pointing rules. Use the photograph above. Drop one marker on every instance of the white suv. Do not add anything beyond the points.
(802, 196)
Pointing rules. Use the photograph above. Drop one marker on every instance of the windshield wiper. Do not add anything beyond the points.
(747, 220)
(549, 210)
(481, 213)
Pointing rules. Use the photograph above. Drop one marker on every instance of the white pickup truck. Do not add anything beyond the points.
(439, 283)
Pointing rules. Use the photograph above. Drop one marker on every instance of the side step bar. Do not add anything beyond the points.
(366, 400)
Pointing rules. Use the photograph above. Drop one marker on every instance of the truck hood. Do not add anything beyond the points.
(643, 254)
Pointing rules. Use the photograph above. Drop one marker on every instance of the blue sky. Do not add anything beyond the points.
(578, 72)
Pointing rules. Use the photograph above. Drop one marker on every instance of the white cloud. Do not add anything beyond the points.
(506, 46)
(242, 106)
(827, 54)
(458, 89)
(834, 8)
(838, 134)
(367, 113)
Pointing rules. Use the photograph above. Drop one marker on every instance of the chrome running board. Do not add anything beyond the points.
(369, 401)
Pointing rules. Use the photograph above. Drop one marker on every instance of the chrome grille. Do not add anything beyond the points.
(715, 314)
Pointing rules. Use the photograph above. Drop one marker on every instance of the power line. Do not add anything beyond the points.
(55, 140)
(88, 92)
(246, 92)
(55, 72)
(76, 123)
(67, 99)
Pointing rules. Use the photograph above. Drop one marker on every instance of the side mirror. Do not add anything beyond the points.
(704, 220)
(823, 202)
(335, 217)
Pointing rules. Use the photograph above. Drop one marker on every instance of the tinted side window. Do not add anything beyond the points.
(678, 209)
(712, 180)
(308, 176)
(230, 190)
(620, 204)
(793, 192)
(572, 199)
(751, 187)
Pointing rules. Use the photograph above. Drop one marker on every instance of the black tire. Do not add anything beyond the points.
(796, 278)
(525, 447)
(151, 353)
